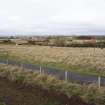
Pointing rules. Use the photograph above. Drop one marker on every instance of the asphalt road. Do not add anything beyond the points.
(60, 74)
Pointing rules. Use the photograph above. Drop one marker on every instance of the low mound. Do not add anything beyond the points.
(13, 93)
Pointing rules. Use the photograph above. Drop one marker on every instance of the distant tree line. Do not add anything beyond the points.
(7, 41)
(84, 37)
(59, 42)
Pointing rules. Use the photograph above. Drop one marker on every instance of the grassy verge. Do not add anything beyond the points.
(89, 93)
(83, 69)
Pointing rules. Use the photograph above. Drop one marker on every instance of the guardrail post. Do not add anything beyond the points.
(99, 82)
(40, 70)
(66, 76)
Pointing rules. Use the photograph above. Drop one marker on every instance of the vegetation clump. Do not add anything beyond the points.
(89, 93)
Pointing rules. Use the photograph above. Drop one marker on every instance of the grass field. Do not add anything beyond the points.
(84, 60)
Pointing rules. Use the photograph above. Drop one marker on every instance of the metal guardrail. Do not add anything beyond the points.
(60, 74)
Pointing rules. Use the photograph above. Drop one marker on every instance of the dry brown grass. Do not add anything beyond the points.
(70, 56)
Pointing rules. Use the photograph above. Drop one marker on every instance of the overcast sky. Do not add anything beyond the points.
(52, 17)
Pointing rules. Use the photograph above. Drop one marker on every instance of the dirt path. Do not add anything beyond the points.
(18, 94)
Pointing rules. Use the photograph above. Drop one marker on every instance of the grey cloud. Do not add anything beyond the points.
(52, 17)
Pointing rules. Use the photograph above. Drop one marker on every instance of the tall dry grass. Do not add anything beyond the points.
(68, 56)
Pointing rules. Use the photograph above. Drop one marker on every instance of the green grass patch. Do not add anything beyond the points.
(2, 103)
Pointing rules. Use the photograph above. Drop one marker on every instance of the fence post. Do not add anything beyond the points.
(66, 76)
(40, 70)
(99, 82)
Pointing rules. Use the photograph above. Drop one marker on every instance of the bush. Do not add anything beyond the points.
(7, 41)
(60, 42)
(31, 42)
(19, 78)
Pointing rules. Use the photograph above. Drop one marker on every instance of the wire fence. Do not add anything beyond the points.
(60, 74)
